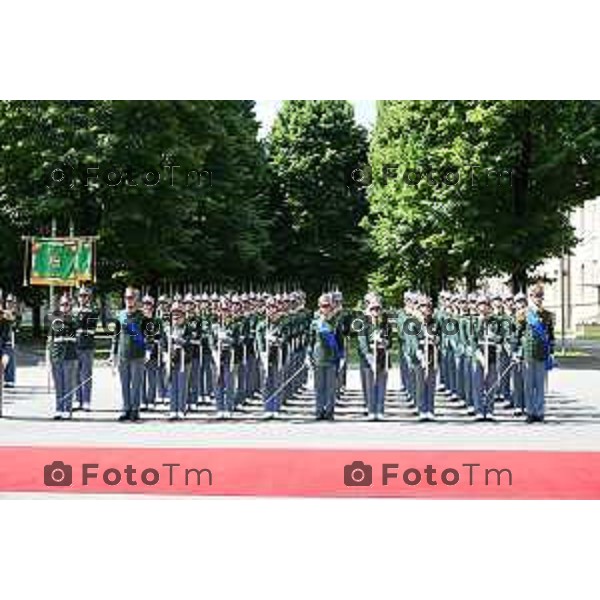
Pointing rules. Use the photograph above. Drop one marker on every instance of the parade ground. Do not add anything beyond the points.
(572, 424)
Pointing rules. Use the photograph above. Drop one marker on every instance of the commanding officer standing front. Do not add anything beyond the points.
(324, 355)
(536, 334)
(128, 354)
(62, 348)
(87, 317)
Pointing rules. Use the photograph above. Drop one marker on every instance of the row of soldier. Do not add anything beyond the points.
(476, 349)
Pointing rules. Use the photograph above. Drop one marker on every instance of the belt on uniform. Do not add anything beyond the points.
(63, 339)
(87, 331)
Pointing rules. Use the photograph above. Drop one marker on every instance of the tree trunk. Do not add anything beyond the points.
(36, 320)
(518, 280)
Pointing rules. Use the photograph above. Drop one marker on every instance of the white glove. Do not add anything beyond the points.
(371, 361)
(309, 363)
(222, 336)
(271, 338)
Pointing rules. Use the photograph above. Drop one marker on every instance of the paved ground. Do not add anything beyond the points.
(573, 420)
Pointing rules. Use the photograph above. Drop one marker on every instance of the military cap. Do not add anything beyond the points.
(177, 297)
(189, 298)
(483, 299)
(214, 297)
(507, 296)
(205, 297)
(425, 300)
(84, 290)
(147, 299)
(496, 296)
(10, 298)
(520, 297)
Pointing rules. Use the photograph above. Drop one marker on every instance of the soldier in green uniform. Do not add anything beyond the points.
(486, 339)
(467, 324)
(179, 358)
(163, 315)
(441, 315)
(343, 319)
(224, 359)
(62, 349)
(192, 319)
(128, 355)
(153, 344)
(536, 336)
(270, 340)
(4, 356)
(324, 356)
(374, 346)
(87, 317)
(207, 344)
(12, 315)
(503, 324)
(518, 381)
(423, 350)
(406, 323)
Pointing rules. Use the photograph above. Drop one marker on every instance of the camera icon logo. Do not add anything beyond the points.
(58, 474)
(358, 474)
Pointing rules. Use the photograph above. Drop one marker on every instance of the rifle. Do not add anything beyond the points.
(374, 361)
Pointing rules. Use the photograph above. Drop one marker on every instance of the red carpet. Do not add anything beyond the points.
(317, 473)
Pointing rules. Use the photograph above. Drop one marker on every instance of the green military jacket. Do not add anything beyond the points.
(62, 337)
(323, 346)
(531, 345)
(270, 339)
(128, 341)
(87, 322)
(367, 347)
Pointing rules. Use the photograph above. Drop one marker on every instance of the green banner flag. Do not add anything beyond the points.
(61, 261)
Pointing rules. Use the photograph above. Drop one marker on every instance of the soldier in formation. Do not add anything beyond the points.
(224, 350)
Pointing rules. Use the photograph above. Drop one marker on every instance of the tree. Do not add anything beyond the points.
(463, 189)
(175, 190)
(316, 210)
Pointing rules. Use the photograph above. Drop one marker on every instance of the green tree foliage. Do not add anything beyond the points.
(462, 189)
(174, 189)
(316, 210)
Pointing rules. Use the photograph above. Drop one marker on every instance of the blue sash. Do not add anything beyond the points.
(330, 339)
(540, 332)
(134, 332)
